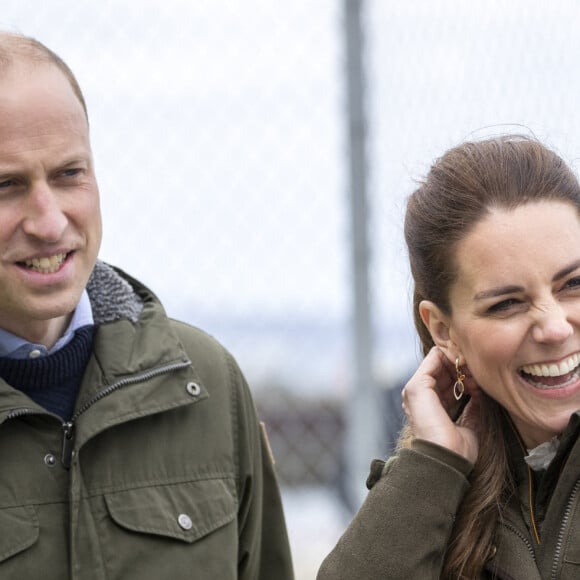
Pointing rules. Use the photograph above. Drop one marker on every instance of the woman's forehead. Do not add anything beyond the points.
(509, 244)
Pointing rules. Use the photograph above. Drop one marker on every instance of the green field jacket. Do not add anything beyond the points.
(402, 530)
(162, 473)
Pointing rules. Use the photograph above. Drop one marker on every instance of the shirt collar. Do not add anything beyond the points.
(17, 347)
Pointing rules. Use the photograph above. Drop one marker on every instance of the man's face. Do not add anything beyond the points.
(50, 222)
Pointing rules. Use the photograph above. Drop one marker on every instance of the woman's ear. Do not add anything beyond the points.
(438, 325)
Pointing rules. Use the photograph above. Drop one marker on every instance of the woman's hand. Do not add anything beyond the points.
(428, 403)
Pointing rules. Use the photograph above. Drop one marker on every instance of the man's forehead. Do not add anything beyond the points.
(39, 110)
(39, 80)
(15, 48)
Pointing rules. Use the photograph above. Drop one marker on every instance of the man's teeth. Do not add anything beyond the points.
(553, 370)
(46, 265)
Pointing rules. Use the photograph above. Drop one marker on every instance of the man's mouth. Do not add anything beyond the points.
(45, 265)
(552, 376)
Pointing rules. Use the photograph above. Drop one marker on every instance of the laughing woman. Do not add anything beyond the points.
(494, 244)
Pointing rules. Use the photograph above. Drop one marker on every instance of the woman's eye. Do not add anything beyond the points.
(573, 283)
(503, 305)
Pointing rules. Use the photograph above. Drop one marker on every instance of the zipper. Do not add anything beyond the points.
(14, 414)
(530, 480)
(522, 537)
(498, 572)
(68, 442)
(565, 520)
(68, 427)
(129, 381)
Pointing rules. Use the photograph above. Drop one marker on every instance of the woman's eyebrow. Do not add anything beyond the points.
(499, 291)
(512, 289)
(567, 270)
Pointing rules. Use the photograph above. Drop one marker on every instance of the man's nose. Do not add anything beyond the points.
(44, 217)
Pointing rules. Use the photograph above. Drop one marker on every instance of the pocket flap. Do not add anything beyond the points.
(20, 530)
(185, 511)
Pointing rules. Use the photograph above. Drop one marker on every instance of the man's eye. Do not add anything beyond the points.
(73, 172)
(6, 183)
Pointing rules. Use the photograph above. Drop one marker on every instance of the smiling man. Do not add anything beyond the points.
(50, 225)
(130, 447)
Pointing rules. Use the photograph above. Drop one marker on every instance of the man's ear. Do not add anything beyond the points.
(438, 325)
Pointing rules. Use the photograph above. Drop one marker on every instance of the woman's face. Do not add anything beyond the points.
(516, 313)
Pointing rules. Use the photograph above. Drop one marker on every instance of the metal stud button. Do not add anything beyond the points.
(185, 521)
(50, 460)
(193, 389)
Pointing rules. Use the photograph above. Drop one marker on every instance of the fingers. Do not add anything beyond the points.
(427, 397)
(433, 381)
(431, 408)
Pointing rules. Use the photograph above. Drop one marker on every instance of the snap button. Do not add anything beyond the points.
(185, 521)
(193, 389)
(50, 460)
(34, 353)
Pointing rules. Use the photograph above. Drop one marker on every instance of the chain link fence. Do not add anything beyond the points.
(220, 137)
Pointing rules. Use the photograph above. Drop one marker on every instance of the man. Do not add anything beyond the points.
(129, 445)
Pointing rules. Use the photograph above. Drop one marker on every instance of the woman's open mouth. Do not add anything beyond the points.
(552, 376)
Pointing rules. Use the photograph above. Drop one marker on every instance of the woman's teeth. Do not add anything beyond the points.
(553, 370)
(46, 265)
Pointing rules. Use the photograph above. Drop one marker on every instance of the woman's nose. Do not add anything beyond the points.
(552, 324)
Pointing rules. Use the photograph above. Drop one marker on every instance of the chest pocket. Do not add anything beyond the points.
(171, 531)
(18, 530)
(184, 512)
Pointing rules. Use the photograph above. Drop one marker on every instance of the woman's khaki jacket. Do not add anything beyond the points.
(162, 473)
(401, 531)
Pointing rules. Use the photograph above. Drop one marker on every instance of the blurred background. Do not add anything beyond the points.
(254, 158)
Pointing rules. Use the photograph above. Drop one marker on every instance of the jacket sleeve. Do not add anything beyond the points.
(264, 552)
(402, 529)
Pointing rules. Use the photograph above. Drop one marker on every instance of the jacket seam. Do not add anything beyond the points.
(21, 546)
(196, 535)
(100, 540)
(121, 417)
(235, 422)
(32, 503)
(143, 484)
(97, 492)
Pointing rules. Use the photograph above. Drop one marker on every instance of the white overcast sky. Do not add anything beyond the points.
(219, 133)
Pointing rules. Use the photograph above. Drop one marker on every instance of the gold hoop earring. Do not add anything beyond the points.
(458, 387)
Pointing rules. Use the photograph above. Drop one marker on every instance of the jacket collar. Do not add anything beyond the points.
(111, 295)
(133, 344)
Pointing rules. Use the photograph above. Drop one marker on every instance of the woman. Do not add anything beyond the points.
(494, 243)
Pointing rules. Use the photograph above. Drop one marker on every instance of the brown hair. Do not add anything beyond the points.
(459, 190)
(17, 48)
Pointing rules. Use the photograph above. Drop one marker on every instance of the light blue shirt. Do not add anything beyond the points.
(17, 347)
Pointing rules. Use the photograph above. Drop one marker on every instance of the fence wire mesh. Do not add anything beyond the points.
(219, 133)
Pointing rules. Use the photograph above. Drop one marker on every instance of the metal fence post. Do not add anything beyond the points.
(363, 408)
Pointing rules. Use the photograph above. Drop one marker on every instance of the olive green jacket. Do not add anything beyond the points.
(402, 530)
(163, 471)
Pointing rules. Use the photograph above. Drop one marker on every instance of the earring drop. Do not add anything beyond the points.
(458, 387)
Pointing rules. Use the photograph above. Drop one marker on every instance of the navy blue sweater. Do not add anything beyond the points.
(52, 381)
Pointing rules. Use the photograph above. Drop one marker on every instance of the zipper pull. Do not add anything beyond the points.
(68, 441)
